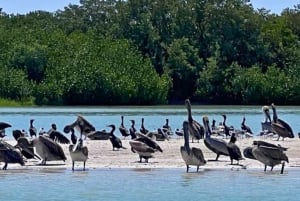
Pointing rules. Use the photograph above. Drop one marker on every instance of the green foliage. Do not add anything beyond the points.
(183, 66)
(14, 85)
(151, 52)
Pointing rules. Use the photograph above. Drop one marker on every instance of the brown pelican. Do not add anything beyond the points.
(216, 145)
(233, 150)
(98, 135)
(80, 122)
(269, 155)
(144, 146)
(191, 156)
(9, 154)
(266, 124)
(25, 147)
(244, 127)
(32, 129)
(78, 152)
(195, 129)
(280, 127)
(45, 147)
(123, 130)
(143, 129)
(248, 150)
(132, 130)
(115, 141)
(3, 126)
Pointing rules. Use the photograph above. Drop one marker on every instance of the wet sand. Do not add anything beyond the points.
(101, 155)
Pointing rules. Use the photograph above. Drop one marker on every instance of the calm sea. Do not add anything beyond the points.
(154, 117)
(148, 184)
(145, 184)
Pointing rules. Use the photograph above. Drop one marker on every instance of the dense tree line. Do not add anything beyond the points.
(151, 52)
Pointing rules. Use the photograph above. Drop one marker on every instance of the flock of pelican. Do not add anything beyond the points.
(46, 146)
(266, 153)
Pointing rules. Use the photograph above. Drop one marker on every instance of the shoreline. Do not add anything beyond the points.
(101, 156)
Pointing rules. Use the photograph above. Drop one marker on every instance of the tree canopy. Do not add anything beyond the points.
(151, 52)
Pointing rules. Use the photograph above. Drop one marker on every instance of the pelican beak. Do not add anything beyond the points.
(75, 146)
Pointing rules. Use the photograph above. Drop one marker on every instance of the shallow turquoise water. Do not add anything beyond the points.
(154, 117)
(148, 184)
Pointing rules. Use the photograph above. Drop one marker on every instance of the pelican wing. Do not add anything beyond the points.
(10, 153)
(59, 137)
(84, 124)
(198, 153)
(281, 130)
(53, 146)
(248, 153)
(26, 148)
(145, 139)
(274, 153)
(267, 144)
(287, 127)
(141, 147)
(218, 144)
(85, 151)
(196, 129)
(98, 135)
(4, 125)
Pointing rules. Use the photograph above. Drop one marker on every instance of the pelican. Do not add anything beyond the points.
(78, 152)
(115, 141)
(216, 145)
(3, 126)
(144, 146)
(233, 150)
(266, 124)
(269, 155)
(190, 156)
(280, 127)
(32, 129)
(123, 130)
(98, 135)
(195, 129)
(248, 150)
(45, 147)
(24, 146)
(244, 127)
(80, 122)
(9, 154)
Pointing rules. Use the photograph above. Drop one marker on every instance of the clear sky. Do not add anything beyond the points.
(25, 6)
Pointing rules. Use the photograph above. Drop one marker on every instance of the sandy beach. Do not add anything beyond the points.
(101, 155)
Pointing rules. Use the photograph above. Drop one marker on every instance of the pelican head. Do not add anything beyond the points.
(266, 111)
(205, 120)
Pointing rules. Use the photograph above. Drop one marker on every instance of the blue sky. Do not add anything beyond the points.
(25, 6)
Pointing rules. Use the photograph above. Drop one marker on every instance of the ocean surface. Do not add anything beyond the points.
(154, 117)
(42, 184)
(148, 184)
